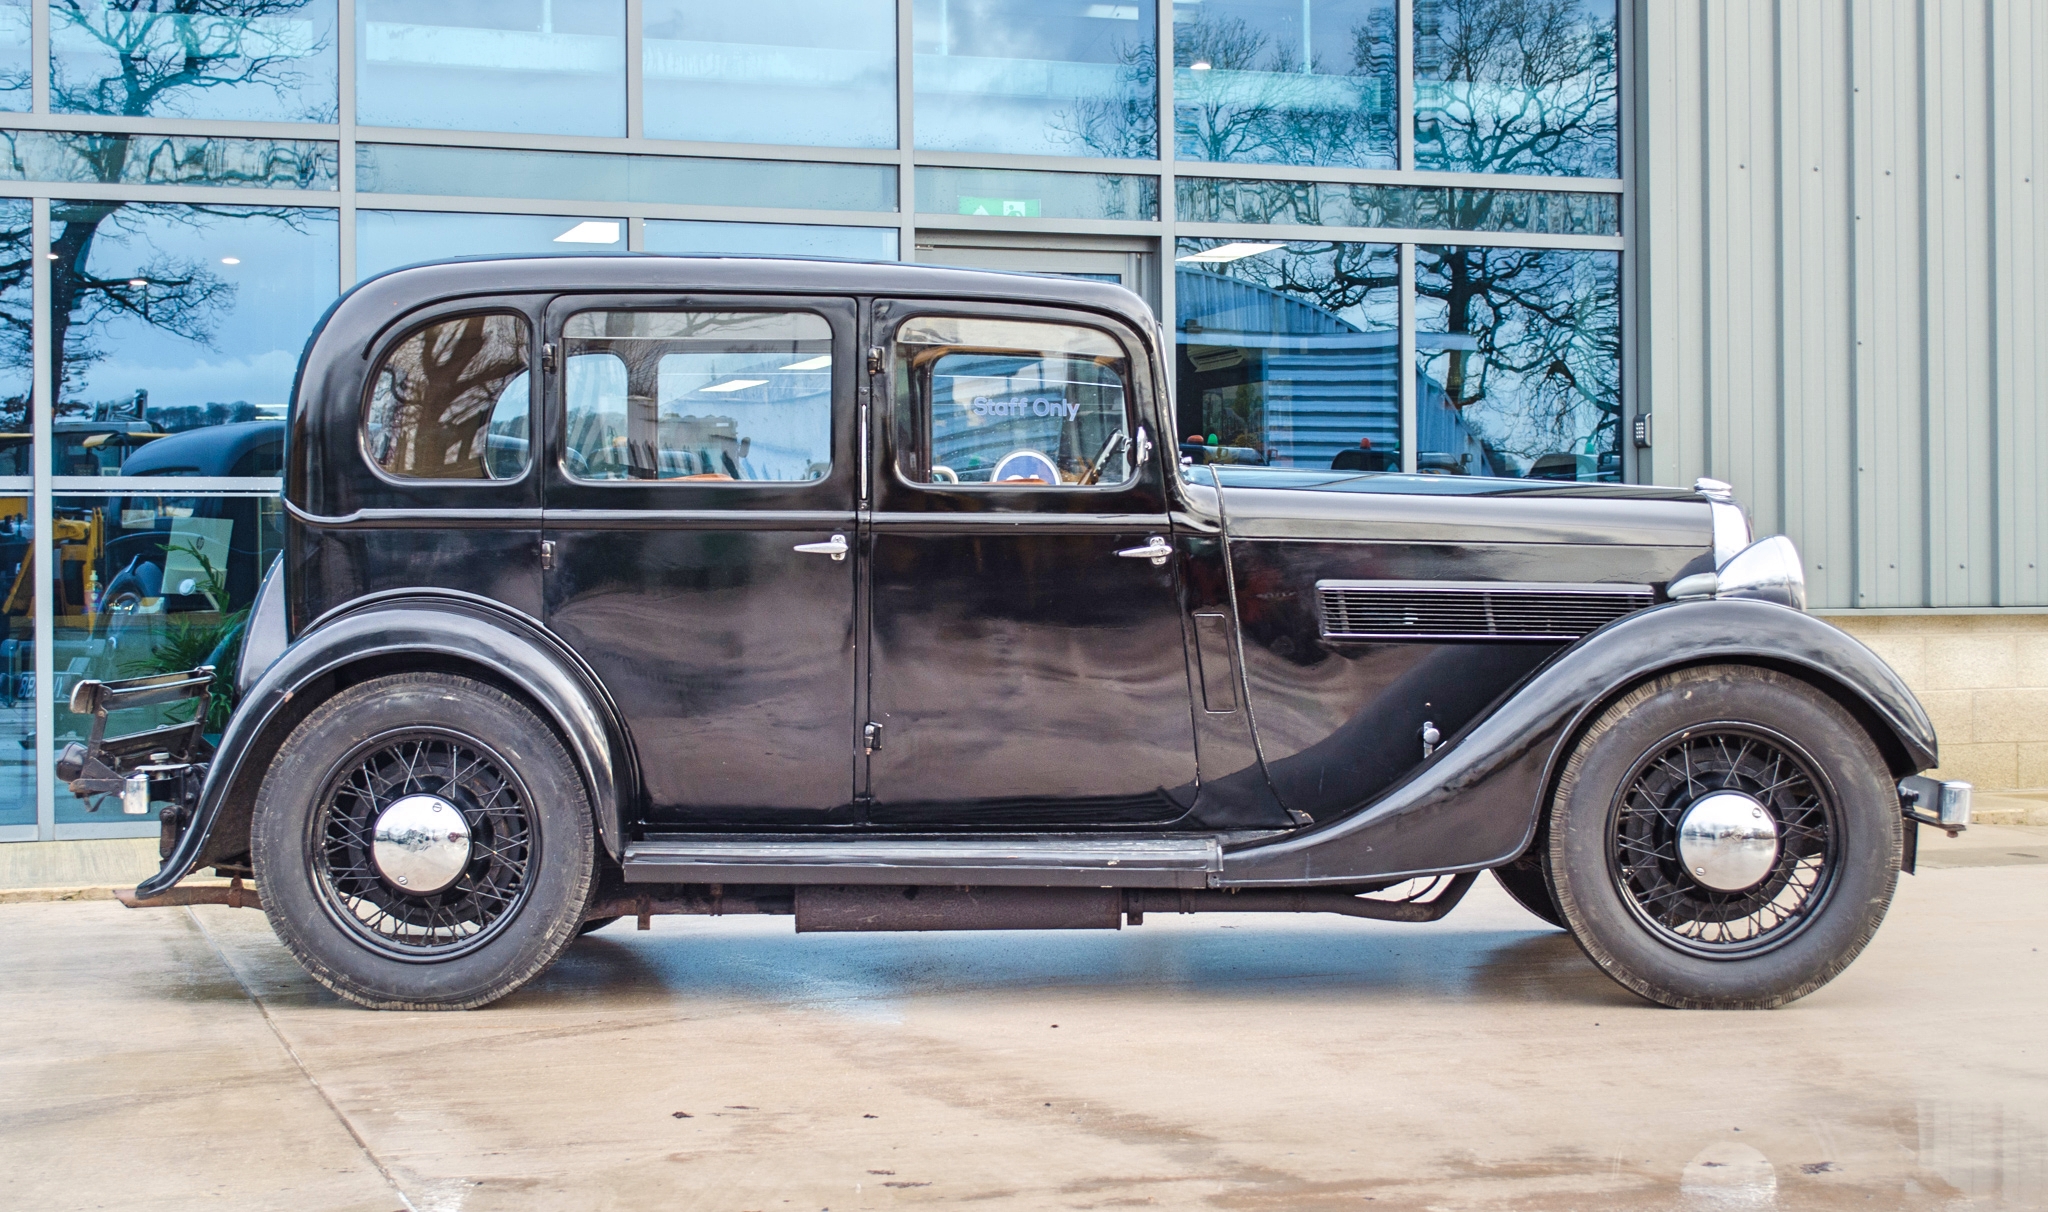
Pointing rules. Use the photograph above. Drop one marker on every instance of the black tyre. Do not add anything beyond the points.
(1525, 881)
(1724, 838)
(422, 842)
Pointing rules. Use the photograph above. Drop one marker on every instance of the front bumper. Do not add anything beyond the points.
(1944, 805)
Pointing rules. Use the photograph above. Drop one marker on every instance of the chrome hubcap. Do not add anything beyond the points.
(421, 844)
(1727, 841)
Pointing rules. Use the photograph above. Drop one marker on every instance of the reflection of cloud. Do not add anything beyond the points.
(264, 378)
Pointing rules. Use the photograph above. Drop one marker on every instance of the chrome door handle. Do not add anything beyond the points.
(1155, 549)
(834, 547)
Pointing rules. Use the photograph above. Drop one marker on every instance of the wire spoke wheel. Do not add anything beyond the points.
(1764, 831)
(489, 853)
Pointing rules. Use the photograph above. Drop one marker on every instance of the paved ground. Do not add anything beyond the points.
(171, 1059)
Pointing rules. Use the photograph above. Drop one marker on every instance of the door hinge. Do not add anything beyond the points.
(874, 359)
(547, 554)
(547, 358)
(871, 737)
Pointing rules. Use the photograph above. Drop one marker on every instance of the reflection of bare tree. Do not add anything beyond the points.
(1517, 86)
(1533, 363)
(1253, 100)
(1530, 357)
(17, 311)
(1125, 123)
(166, 50)
(163, 51)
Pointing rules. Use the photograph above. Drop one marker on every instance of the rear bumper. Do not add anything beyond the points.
(1944, 805)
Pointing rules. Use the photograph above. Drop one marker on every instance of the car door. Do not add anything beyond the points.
(699, 517)
(1027, 665)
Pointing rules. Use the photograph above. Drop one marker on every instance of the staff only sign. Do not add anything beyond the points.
(1022, 406)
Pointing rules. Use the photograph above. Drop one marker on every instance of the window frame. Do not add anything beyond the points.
(388, 344)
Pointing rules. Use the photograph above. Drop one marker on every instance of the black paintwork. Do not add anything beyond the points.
(709, 679)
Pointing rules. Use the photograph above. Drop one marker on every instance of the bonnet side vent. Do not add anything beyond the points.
(1472, 610)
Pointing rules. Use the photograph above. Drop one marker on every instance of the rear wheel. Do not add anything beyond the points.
(1724, 837)
(422, 842)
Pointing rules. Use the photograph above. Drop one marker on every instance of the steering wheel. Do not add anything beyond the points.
(1094, 472)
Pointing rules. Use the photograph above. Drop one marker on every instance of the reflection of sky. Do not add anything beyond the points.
(1024, 77)
(284, 280)
(816, 72)
(387, 239)
(14, 58)
(553, 68)
(772, 239)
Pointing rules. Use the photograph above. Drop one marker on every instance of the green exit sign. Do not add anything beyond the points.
(1009, 208)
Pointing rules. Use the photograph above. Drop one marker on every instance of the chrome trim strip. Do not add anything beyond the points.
(1015, 861)
(732, 519)
(381, 518)
(1582, 588)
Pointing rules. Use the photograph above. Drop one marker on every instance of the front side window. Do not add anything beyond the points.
(450, 402)
(1011, 404)
(710, 396)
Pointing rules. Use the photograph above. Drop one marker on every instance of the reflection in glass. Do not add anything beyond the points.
(450, 402)
(1325, 203)
(1289, 354)
(814, 72)
(554, 67)
(15, 55)
(153, 584)
(17, 319)
(172, 317)
(17, 662)
(1011, 403)
(1034, 195)
(1517, 86)
(387, 239)
(131, 159)
(714, 397)
(1021, 76)
(1285, 82)
(772, 239)
(1520, 362)
(397, 168)
(254, 60)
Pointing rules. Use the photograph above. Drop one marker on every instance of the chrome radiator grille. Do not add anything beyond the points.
(1471, 610)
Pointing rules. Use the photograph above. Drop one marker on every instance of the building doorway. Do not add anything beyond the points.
(1132, 263)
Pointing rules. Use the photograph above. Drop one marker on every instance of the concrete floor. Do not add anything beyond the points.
(175, 1059)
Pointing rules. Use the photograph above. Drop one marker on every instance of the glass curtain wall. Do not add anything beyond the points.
(1393, 229)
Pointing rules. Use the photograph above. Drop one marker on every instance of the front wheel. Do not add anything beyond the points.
(1724, 837)
(423, 842)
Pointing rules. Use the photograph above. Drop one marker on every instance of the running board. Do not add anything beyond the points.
(982, 862)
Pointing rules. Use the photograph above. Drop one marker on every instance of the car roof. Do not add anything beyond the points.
(211, 451)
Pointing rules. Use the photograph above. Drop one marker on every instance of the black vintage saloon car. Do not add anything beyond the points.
(880, 595)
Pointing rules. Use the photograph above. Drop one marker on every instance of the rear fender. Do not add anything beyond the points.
(1476, 803)
(391, 633)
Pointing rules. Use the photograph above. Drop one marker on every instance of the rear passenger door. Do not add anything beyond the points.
(699, 518)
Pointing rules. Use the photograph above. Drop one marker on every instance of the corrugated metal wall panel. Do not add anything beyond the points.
(1840, 301)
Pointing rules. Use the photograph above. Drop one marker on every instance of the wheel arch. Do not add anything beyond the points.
(407, 633)
(1479, 801)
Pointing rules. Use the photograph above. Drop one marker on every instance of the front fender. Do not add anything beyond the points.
(1476, 803)
(430, 630)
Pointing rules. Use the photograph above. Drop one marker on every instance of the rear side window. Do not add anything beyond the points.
(451, 401)
(710, 396)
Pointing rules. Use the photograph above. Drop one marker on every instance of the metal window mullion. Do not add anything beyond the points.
(345, 100)
(906, 132)
(1163, 56)
(1631, 469)
(43, 549)
(206, 195)
(39, 56)
(1399, 235)
(1404, 84)
(636, 71)
(1405, 355)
